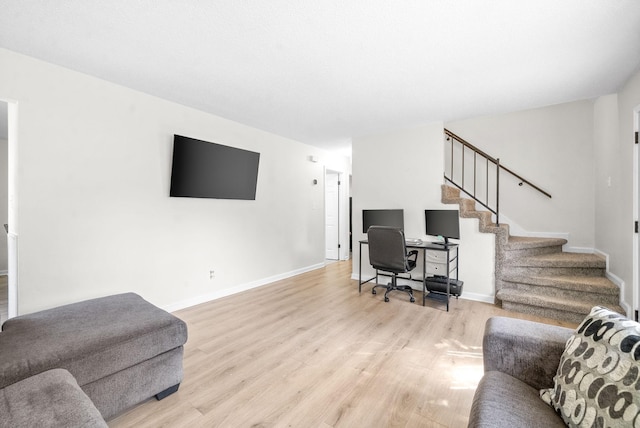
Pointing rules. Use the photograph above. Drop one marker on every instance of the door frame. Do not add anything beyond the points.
(12, 233)
(636, 215)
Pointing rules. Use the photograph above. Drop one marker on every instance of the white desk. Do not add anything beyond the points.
(424, 246)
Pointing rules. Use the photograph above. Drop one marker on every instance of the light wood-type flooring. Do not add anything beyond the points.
(309, 351)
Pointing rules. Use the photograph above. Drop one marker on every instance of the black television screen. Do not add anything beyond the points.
(445, 223)
(208, 170)
(393, 218)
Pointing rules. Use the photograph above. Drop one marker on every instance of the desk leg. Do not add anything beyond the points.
(448, 279)
(424, 275)
(360, 270)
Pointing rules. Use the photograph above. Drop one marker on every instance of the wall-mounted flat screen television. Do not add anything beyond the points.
(208, 170)
(392, 218)
(445, 223)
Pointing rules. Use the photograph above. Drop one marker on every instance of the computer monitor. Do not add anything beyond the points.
(393, 218)
(445, 223)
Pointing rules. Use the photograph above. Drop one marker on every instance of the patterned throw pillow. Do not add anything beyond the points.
(598, 380)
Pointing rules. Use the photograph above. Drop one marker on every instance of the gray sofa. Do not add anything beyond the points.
(88, 361)
(48, 399)
(520, 358)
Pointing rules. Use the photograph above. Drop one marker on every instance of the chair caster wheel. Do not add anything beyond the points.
(386, 299)
(373, 291)
(412, 300)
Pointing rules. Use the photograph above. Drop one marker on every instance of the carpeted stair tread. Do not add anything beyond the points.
(562, 260)
(492, 228)
(593, 284)
(530, 299)
(472, 213)
(449, 193)
(526, 242)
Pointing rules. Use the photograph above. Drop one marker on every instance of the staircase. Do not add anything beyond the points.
(534, 276)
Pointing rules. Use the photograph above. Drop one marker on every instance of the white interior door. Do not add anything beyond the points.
(332, 215)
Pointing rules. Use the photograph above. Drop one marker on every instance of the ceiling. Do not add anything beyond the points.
(322, 72)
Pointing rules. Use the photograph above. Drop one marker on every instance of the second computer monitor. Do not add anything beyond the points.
(445, 223)
(392, 218)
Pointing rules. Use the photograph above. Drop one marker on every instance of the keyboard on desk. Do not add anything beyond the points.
(409, 241)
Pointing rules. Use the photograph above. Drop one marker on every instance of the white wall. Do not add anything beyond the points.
(94, 213)
(553, 148)
(4, 198)
(607, 175)
(404, 169)
(614, 204)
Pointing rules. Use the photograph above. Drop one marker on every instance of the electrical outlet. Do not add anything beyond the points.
(212, 274)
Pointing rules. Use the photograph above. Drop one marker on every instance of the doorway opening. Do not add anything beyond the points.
(337, 203)
(332, 215)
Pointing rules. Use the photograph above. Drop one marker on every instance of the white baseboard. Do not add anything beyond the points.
(584, 250)
(621, 285)
(617, 281)
(479, 297)
(4, 272)
(187, 303)
(467, 296)
(606, 258)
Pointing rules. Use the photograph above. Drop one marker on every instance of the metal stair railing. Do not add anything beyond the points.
(490, 198)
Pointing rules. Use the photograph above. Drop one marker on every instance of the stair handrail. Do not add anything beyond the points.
(488, 158)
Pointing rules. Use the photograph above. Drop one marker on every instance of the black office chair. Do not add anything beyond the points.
(388, 252)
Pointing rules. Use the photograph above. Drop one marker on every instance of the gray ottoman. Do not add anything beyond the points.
(60, 403)
(121, 349)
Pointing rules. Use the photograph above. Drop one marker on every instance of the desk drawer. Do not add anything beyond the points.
(439, 268)
(437, 256)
